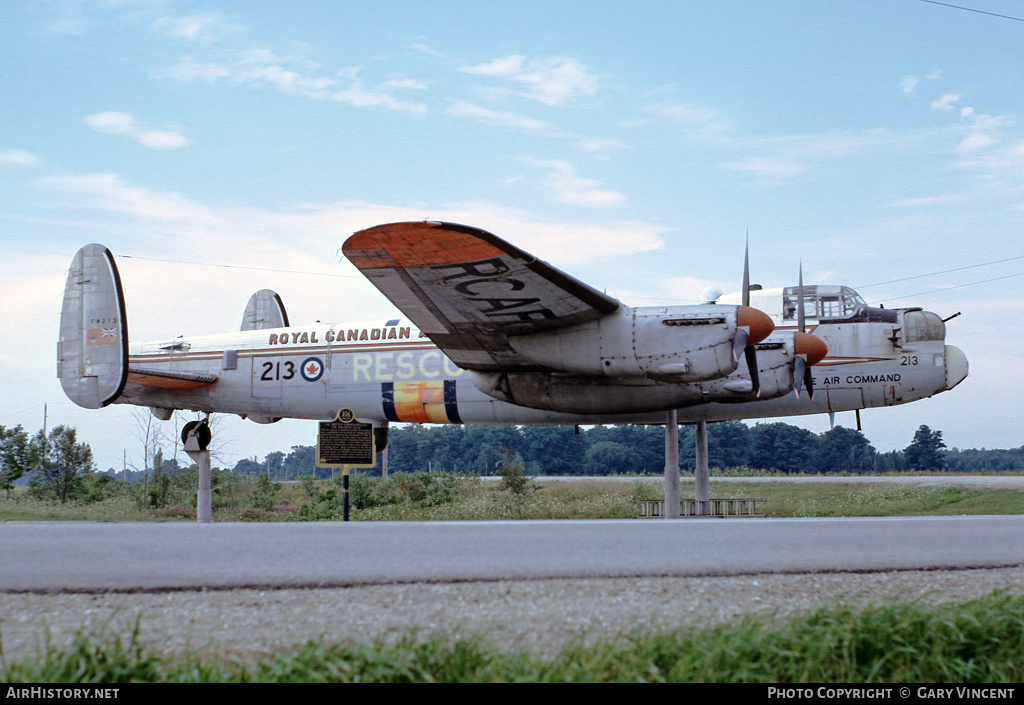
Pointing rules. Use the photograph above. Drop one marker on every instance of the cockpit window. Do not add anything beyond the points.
(922, 325)
(821, 302)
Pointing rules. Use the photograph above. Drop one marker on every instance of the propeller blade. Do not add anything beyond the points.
(739, 342)
(752, 368)
(809, 350)
(799, 367)
(801, 325)
(746, 273)
(809, 383)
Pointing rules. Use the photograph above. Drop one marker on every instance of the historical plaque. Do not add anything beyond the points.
(345, 443)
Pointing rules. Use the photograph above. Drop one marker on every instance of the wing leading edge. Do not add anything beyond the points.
(469, 291)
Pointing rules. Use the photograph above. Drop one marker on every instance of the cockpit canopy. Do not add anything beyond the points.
(820, 301)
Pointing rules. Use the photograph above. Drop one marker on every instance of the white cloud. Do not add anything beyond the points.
(600, 145)
(946, 101)
(910, 81)
(792, 155)
(929, 201)
(566, 187)
(552, 81)
(773, 167)
(503, 66)
(19, 156)
(984, 130)
(462, 108)
(191, 27)
(110, 192)
(696, 122)
(125, 125)
(262, 66)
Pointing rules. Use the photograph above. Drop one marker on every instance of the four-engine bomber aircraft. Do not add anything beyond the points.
(492, 335)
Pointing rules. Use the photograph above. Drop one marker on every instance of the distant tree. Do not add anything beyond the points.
(609, 457)
(552, 450)
(925, 451)
(301, 461)
(728, 445)
(248, 466)
(844, 449)
(63, 464)
(273, 462)
(16, 457)
(780, 446)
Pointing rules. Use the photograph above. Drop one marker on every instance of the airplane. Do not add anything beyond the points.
(489, 334)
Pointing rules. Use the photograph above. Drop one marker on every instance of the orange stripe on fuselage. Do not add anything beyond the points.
(420, 402)
(414, 245)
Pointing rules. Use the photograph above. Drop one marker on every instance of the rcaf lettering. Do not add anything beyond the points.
(486, 268)
(297, 338)
(482, 276)
(464, 287)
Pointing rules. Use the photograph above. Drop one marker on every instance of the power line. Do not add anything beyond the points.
(971, 9)
(950, 288)
(945, 271)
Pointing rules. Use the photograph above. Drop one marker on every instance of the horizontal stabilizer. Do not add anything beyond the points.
(166, 379)
(264, 310)
(92, 349)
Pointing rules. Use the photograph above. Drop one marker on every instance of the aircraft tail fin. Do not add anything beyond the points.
(92, 350)
(264, 310)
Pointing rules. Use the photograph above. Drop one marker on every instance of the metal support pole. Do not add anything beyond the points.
(204, 500)
(701, 475)
(344, 481)
(672, 466)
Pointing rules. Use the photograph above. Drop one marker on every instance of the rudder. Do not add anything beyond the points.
(92, 350)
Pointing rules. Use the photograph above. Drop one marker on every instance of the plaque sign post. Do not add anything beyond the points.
(345, 443)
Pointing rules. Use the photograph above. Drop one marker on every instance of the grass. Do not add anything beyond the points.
(445, 498)
(976, 641)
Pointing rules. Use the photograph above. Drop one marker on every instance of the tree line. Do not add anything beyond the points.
(61, 468)
(603, 450)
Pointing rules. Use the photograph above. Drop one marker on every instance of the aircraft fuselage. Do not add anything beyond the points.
(389, 372)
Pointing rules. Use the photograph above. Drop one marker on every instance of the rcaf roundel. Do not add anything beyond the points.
(312, 369)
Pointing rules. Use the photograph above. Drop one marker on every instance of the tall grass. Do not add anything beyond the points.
(976, 641)
(447, 497)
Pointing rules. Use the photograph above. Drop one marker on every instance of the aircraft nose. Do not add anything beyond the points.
(956, 366)
(811, 346)
(758, 322)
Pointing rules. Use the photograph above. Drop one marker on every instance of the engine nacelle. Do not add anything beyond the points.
(584, 394)
(775, 366)
(671, 344)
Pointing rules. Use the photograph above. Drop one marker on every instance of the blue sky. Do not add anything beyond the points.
(631, 144)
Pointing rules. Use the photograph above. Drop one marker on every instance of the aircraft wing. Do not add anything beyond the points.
(470, 291)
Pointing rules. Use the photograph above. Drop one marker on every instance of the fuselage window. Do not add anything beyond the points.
(922, 325)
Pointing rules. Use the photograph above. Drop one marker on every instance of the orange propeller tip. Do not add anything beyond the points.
(813, 347)
(757, 322)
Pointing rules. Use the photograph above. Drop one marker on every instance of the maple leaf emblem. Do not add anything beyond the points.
(312, 368)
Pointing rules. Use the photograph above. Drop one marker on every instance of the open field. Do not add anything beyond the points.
(426, 497)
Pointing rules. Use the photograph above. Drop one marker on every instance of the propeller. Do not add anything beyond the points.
(752, 326)
(811, 348)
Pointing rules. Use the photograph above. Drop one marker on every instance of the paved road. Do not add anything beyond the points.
(125, 557)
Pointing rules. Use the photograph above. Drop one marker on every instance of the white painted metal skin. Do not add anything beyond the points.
(624, 366)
